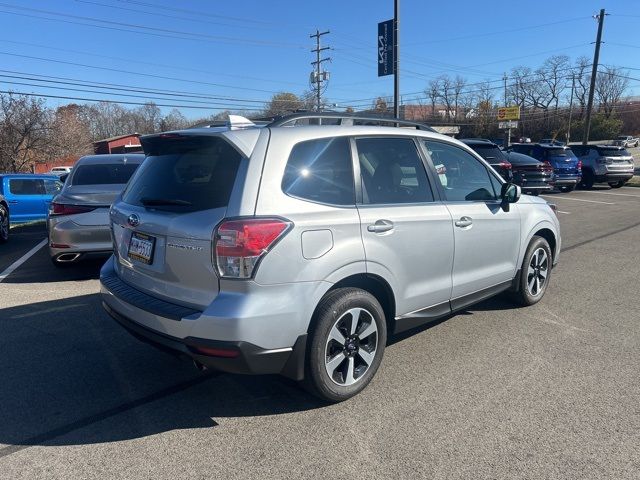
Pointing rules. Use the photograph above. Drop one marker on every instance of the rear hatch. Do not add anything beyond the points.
(563, 160)
(163, 226)
(616, 158)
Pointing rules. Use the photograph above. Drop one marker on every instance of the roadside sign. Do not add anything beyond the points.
(385, 48)
(509, 113)
(508, 124)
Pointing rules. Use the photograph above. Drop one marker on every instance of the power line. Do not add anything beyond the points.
(130, 72)
(142, 29)
(153, 64)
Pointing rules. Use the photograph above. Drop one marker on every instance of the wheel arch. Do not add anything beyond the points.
(376, 286)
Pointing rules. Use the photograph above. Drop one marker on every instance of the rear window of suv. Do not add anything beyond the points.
(185, 174)
(491, 153)
(613, 152)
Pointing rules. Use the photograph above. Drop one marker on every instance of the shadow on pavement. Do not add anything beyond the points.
(39, 269)
(71, 376)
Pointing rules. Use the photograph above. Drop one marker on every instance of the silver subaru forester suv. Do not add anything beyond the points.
(299, 249)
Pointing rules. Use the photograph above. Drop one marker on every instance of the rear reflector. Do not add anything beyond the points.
(215, 352)
(63, 209)
(238, 245)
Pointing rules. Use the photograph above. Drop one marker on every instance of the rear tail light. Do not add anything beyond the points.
(64, 209)
(238, 245)
(505, 164)
(579, 166)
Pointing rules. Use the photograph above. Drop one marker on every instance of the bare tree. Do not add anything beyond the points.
(610, 85)
(458, 86)
(174, 120)
(433, 93)
(69, 136)
(582, 80)
(24, 131)
(447, 94)
(553, 74)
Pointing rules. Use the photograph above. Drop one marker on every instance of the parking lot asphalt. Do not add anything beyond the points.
(549, 391)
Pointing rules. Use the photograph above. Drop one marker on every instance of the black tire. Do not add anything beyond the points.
(617, 184)
(4, 224)
(535, 193)
(332, 311)
(567, 188)
(523, 296)
(587, 180)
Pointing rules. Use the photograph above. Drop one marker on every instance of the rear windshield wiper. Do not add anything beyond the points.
(152, 202)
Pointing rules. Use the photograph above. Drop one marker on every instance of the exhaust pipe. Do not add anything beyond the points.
(67, 257)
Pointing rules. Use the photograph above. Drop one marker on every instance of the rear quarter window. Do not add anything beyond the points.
(321, 171)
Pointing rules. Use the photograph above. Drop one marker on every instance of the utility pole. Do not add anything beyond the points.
(573, 86)
(318, 75)
(396, 58)
(594, 73)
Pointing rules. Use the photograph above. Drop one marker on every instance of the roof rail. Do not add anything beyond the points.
(346, 119)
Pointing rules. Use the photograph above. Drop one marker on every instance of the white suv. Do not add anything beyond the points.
(298, 249)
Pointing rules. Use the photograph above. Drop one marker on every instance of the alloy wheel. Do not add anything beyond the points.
(351, 346)
(537, 272)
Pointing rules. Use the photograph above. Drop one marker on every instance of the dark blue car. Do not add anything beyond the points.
(567, 168)
(28, 195)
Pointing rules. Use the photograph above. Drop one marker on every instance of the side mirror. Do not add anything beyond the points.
(510, 193)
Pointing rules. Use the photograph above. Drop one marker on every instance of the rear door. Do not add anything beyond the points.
(487, 238)
(26, 197)
(407, 235)
(163, 226)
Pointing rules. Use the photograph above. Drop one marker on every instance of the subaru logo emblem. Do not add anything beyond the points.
(133, 220)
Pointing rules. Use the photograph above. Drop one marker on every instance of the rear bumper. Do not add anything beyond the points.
(563, 180)
(192, 333)
(232, 357)
(614, 177)
(76, 238)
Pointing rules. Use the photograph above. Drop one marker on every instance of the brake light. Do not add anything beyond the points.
(240, 244)
(579, 166)
(64, 209)
(505, 164)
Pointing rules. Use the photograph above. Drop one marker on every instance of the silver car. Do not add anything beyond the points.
(300, 249)
(78, 219)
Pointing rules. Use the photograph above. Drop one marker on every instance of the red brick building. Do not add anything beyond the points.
(121, 144)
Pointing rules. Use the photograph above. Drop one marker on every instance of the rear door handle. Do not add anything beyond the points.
(464, 222)
(380, 226)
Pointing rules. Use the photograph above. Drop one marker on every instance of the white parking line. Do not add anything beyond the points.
(558, 197)
(560, 211)
(618, 194)
(21, 260)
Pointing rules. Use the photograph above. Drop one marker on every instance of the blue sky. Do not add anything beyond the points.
(235, 55)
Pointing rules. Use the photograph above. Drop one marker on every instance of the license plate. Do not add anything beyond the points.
(141, 247)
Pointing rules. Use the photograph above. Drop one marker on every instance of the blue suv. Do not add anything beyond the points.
(567, 168)
(28, 195)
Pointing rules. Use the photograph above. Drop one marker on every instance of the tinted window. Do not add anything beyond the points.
(103, 174)
(27, 186)
(392, 171)
(613, 152)
(53, 187)
(185, 174)
(463, 177)
(489, 152)
(560, 152)
(320, 171)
